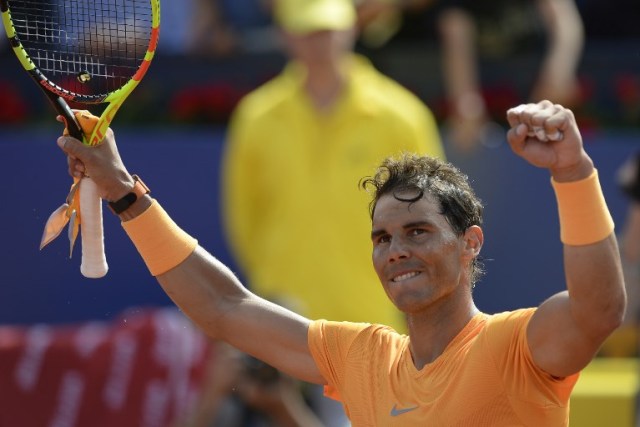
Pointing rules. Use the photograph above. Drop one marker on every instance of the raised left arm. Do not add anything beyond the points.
(568, 329)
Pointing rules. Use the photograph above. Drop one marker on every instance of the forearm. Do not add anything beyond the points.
(591, 255)
(213, 298)
(203, 287)
(199, 284)
(209, 293)
(205, 290)
(596, 286)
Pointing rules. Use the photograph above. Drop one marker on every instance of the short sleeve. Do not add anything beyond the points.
(506, 338)
(329, 344)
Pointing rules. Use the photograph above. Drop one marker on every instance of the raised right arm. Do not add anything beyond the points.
(199, 284)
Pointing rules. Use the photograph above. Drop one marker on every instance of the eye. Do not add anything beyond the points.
(417, 231)
(383, 238)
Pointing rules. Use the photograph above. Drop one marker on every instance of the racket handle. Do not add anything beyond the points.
(94, 262)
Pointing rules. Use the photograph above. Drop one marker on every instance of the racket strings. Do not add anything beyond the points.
(87, 47)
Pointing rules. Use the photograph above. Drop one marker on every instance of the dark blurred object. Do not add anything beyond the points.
(604, 22)
(629, 177)
(260, 371)
(242, 391)
(13, 106)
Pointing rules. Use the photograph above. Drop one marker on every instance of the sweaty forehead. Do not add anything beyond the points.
(405, 205)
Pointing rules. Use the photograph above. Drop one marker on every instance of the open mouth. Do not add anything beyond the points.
(405, 276)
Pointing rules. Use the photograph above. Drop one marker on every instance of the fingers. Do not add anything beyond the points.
(546, 135)
(77, 168)
(544, 121)
(70, 145)
(73, 148)
(516, 136)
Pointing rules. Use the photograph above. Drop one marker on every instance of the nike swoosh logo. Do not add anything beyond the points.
(395, 411)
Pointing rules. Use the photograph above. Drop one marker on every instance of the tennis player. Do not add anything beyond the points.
(457, 366)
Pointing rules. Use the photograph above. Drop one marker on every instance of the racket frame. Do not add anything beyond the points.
(58, 95)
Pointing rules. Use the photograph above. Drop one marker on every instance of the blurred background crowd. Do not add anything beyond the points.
(213, 52)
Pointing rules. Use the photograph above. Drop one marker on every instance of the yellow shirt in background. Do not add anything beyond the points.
(484, 378)
(296, 220)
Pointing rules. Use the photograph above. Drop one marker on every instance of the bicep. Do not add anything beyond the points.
(558, 345)
(213, 298)
(568, 329)
(274, 335)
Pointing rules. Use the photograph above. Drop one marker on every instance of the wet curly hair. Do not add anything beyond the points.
(409, 177)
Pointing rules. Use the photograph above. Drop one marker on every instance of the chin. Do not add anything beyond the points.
(410, 304)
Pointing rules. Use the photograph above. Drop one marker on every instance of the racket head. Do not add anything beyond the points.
(84, 51)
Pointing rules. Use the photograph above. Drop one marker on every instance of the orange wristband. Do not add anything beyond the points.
(162, 244)
(584, 215)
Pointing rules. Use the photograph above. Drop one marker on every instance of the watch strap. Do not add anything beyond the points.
(139, 189)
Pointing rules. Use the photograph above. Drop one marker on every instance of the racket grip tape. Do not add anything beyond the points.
(94, 262)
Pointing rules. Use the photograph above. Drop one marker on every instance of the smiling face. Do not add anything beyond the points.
(419, 258)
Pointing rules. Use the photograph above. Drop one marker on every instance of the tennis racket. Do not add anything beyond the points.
(86, 52)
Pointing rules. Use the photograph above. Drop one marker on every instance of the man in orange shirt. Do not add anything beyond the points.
(457, 366)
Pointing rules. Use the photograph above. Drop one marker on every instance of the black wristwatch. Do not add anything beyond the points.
(139, 189)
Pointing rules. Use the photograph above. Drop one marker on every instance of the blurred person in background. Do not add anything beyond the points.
(466, 30)
(459, 24)
(241, 391)
(294, 152)
(217, 28)
(176, 21)
(226, 27)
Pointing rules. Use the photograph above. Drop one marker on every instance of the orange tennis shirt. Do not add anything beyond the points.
(485, 376)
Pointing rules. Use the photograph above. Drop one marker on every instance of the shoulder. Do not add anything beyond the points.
(509, 322)
(505, 334)
(345, 353)
(511, 317)
(323, 326)
(391, 103)
(344, 335)
(265, 99)
(505, 344)
(383, 90)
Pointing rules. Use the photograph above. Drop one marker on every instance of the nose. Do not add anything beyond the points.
(398, 249)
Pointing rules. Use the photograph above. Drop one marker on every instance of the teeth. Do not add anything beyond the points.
(405, 276)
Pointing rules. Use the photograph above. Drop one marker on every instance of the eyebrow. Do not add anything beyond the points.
(414, 224)
(377, 233)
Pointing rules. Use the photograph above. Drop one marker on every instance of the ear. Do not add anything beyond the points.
(473, 240)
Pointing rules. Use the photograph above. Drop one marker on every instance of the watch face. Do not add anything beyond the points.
(139, 190)
(122, 204)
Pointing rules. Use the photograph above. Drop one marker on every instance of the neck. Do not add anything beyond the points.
(324, 84)
(432, 331)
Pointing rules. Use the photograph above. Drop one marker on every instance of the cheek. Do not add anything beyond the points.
(377, 259)
(441, 256)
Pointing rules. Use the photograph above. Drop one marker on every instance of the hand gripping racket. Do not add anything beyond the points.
(86, 52)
